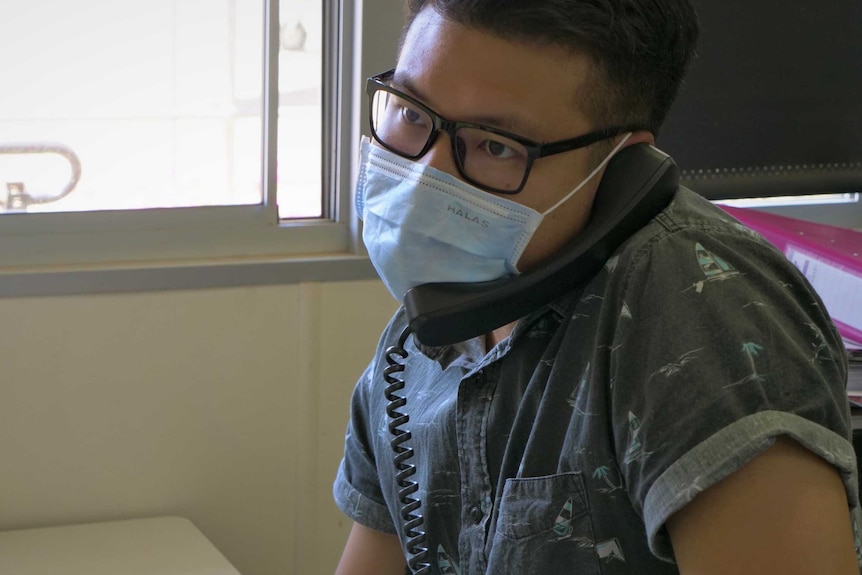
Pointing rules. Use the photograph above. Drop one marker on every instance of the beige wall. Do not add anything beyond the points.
(226, 406)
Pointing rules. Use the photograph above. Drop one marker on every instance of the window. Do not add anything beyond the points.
(142, 133)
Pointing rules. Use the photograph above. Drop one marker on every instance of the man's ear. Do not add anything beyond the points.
(640, 137)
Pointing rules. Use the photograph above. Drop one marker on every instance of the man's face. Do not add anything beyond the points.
(468, 75)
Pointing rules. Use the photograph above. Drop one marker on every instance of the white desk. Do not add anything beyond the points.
(157, 546)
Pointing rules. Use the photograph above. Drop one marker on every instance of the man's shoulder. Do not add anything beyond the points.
(689, 211)
(690, 218)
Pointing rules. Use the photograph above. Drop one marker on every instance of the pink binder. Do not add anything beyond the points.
(830, 257)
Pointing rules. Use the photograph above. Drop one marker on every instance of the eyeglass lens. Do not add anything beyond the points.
(487, 158)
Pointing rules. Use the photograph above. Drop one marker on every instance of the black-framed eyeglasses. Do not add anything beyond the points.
(491, 159)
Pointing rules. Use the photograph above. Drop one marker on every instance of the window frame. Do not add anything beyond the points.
(213, 246)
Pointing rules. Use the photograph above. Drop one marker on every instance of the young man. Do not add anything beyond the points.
(684, 412)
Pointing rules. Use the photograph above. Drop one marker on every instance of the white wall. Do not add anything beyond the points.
(224, 406)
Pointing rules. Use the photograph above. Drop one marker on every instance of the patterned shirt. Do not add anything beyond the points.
(566, 447)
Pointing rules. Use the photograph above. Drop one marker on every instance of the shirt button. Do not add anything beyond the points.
(476, 514)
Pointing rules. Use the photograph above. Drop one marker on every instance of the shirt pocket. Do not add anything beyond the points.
(544, 526)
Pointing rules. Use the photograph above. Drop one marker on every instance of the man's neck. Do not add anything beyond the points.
(494, 337)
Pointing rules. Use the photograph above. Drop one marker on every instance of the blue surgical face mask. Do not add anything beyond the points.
(421, 225)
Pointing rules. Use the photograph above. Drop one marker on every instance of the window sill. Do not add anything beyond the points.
(186, 276)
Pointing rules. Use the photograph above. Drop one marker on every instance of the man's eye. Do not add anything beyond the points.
(410, 115)
(498, 150)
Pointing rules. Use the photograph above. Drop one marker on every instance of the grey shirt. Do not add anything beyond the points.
(566, 447)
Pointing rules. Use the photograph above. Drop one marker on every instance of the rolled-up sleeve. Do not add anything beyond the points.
(357, 489)
(745, 352)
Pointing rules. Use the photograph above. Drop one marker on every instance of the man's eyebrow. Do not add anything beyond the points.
(514, 124)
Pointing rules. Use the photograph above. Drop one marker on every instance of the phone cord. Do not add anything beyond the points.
(413, 521)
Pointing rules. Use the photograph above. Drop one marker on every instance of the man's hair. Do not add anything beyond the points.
(640, 49)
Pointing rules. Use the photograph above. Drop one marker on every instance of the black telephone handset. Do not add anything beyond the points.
(637, 184)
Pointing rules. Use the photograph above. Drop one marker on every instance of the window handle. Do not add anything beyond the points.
(18, 198)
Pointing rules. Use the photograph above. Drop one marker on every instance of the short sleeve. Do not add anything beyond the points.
(357, 489)
(720, 346)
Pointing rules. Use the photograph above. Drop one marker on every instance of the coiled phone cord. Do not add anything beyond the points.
(413, 521)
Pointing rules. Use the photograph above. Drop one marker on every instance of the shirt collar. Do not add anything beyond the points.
(471, 354)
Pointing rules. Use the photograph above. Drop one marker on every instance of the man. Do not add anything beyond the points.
(683, 412)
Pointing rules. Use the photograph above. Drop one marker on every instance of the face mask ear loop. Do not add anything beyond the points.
(591, 176)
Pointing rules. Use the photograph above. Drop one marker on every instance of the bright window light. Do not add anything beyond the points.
(118, 106)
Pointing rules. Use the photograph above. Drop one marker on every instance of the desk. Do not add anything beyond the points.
(157, 546)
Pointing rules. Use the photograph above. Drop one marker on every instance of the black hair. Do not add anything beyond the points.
(640, 49)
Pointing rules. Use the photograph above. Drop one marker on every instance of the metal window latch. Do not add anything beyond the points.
(18, 198)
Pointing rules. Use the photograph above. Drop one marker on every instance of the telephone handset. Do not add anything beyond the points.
(637, 184)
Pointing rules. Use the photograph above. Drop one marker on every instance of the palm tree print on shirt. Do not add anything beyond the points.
(751, 351)
(603, 473)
